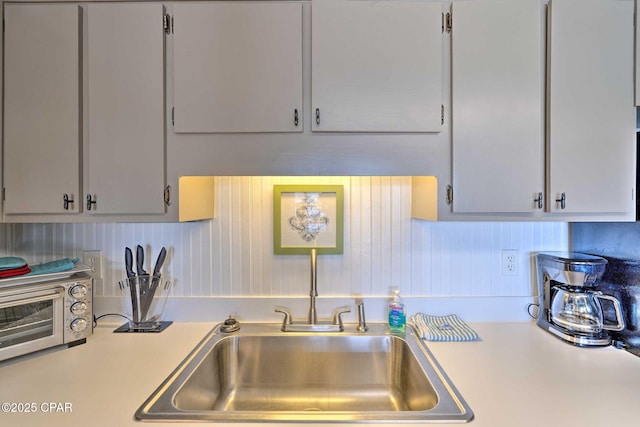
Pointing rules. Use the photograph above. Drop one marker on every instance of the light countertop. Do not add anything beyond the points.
(517, 375)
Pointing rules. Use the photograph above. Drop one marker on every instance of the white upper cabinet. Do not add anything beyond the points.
(42, 108)
(237, 67)
(497, 105)
(376, 66)
(126, 115)
(591, 115)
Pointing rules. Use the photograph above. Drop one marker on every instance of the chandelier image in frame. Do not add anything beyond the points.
(308, 217)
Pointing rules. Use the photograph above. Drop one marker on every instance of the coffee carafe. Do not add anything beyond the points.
(570, 308)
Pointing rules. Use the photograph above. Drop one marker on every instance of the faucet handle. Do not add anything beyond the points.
(288, 319)
(337, 316)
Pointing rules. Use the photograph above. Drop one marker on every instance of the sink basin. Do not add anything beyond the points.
(262, 374)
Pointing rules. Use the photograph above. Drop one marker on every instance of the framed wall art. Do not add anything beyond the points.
(308, 217)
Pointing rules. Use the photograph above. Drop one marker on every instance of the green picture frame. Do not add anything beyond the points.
(308, 217)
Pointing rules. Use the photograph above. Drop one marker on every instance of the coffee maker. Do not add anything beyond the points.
(570, 308)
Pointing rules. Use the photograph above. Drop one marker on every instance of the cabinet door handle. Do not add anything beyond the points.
(562, 200)
(91, 201)
(538, 200)
(167, 195)
(295, 117)
(66, 201)
(318, 116)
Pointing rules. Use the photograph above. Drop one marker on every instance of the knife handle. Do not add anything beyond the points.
(128, 262)
(140, 260)
(159, 261)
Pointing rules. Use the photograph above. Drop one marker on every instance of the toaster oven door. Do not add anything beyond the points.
(30, 320)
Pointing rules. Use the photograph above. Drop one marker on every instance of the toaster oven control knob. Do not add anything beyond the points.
(79, 325)
(78, 308)
(78, 291)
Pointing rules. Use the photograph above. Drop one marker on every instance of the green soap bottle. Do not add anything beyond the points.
(397, 316)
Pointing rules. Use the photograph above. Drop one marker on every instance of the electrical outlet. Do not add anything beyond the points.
(93, 259)
(509, 262)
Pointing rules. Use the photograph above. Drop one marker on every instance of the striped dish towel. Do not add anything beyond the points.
(443, 328)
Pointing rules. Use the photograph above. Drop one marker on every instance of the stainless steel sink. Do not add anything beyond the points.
(262, 374)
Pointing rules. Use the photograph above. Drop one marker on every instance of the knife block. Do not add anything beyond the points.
(145, 299)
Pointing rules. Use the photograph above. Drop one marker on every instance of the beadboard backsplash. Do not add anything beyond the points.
(232, 255)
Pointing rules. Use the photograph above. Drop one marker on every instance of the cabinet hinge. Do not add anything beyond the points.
(449, 195)
(442, 114)
(166, 23)
(173, 116)
(447, 24)
(4, 194)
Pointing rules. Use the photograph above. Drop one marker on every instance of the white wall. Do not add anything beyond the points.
(6, 239)
(233, 255)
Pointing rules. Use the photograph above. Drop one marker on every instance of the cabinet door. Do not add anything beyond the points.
(591, 114)
(237, 67)
(126, 108)
(497, 105)
(376, 66)
(41, 108)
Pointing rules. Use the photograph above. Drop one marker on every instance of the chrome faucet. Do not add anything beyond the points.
(362, 323)
(312, 324)
(313, 314)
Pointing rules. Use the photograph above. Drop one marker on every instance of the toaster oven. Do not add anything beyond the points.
(36, 316)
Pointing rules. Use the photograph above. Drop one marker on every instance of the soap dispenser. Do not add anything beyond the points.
(397, 316)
